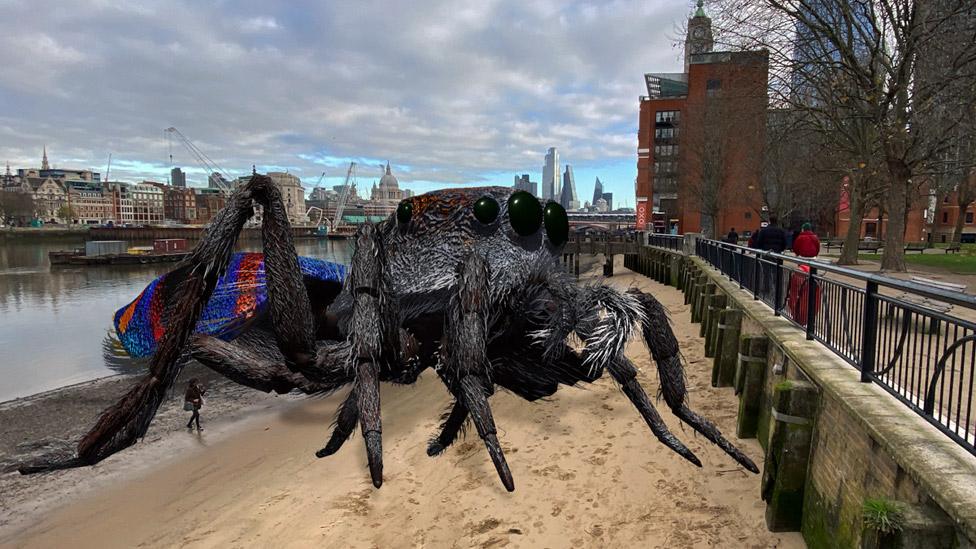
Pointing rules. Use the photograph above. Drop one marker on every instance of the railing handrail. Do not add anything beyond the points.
(948, 296)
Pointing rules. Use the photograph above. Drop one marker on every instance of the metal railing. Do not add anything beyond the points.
(926, 358)
(667, 241)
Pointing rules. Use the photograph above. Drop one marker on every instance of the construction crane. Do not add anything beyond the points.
(205, 162)
(321, 212)
(343, 196)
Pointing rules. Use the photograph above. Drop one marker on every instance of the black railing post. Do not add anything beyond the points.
(869, 333)
(811, 301)
(738, 273)
(778, 290)
(756, 275)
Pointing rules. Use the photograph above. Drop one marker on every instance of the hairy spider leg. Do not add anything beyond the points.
(122, 424)
(664, 348)
(604, 342)
(343, 426)
(367, 329)
(451, 426)
(253, 360)
(466, 364)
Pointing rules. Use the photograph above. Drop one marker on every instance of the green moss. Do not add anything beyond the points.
(822, 527)
(883, 515)
(783, 385)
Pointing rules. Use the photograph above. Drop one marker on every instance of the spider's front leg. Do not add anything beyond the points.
(370, 326)
(121, 425)
(374, 336)
(664, 349)
(466, 366)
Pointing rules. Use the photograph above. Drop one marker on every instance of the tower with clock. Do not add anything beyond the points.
(699, 38)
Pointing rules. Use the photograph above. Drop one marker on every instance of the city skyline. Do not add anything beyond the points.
(351, 96)
(177, 177)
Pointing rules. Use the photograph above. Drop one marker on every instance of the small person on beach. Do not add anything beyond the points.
(193, 400)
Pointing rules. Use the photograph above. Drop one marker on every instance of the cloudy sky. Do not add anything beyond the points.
(451, 93)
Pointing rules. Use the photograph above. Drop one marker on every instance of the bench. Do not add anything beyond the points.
(919, 247)
(834, 243)
(869, 245)
(927, 302)
(953, 248)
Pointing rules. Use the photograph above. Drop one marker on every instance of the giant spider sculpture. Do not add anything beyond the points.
(464, 281)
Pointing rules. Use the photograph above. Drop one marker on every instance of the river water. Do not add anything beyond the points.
(56, 323)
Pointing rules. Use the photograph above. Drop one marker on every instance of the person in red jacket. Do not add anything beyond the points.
(806, 244)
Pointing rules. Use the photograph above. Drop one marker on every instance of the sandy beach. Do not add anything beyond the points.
(587, 472)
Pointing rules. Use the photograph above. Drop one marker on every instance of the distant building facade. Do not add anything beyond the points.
(568, 198)
(147, 204)
(385, 197)
(293, 195)
(208, 203)
(677, 118)
(523, 183)
(550, 176)
(597, 190)
(177, 178)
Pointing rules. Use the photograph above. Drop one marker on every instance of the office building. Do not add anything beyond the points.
(550, 175)
(177, 178)
(523, 183)
(567, 197)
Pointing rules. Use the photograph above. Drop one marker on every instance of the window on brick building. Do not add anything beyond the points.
(712, 86)
(667, 117)
(969, 217)
(748, 215)
(945, 217)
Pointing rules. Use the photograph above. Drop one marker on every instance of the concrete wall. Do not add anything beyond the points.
(861, 443)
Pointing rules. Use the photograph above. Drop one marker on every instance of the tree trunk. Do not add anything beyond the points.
(960, 219)
(893, 258)
(848, 254)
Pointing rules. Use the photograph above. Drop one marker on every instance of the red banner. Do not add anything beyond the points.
(642, 206)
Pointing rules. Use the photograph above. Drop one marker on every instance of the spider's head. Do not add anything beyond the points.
(430, 234)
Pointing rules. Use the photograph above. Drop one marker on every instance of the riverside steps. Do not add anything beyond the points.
(852, 405)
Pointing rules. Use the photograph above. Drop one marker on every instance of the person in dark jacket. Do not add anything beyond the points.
(806, 244)
(732, 237)
(752, 238)
(771, 238)
(193, 400)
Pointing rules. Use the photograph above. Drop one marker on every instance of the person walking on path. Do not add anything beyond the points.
(771, 238)
(751, 243)
(732, 237)
(806, 244)
(193, 400)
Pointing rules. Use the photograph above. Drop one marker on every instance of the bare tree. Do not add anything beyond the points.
(17, 207)
(704, 154)
(721, 150)
(854, 66)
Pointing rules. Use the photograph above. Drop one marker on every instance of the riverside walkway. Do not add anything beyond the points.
(860, 396)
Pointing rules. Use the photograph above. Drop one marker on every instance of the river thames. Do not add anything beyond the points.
(56, 323)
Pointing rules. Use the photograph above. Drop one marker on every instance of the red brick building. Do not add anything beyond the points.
(701, 138)
(931, 218)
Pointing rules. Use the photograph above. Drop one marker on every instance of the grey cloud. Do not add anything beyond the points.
(454, 90)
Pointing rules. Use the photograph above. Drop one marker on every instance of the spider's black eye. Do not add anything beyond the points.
(486, 209)
(524, 213)
(404, 211)
(557, 223)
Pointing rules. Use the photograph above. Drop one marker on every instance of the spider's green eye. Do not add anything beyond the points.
(404, 211)
(557, 224)
(524, 213)
(486, 209)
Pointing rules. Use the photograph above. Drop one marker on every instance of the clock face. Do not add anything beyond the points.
(698, 32)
